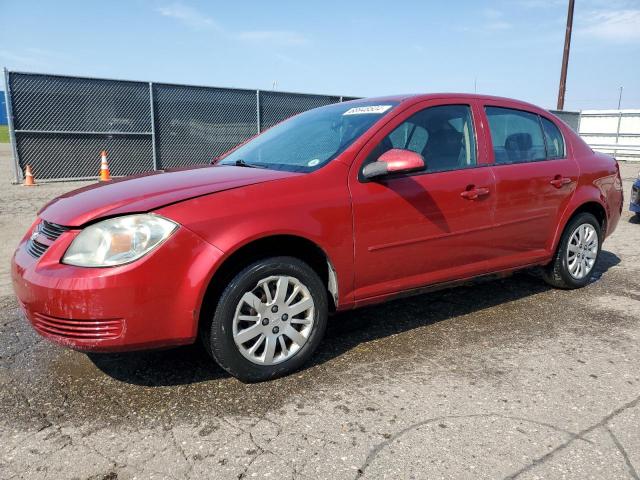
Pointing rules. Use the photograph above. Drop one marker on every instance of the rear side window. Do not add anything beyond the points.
(516, 135)
(553, 139)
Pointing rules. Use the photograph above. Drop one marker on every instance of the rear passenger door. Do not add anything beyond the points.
(535, 178)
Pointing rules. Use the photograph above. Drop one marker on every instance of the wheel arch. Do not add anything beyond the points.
(596, 209)
(586, 205)
(270, 246)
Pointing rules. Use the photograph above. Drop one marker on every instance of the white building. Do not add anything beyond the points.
(616, 132)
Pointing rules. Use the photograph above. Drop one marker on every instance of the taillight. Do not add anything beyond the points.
(617, 183)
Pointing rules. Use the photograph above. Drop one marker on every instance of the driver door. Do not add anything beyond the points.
(416, 229)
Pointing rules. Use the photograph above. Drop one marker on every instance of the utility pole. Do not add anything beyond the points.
(565, 57)
(620, 98)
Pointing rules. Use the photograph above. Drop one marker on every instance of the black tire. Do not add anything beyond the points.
(219, 336)
(557, 272)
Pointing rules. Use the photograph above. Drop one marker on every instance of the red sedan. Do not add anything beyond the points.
(342, 206)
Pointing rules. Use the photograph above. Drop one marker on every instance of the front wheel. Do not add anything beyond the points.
(269, 319)
(577, 253)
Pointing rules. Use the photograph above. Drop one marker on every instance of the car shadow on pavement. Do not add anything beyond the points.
(345, 331)
(349, 329)
(156, 368)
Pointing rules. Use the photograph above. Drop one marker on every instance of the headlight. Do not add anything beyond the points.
(118, 240)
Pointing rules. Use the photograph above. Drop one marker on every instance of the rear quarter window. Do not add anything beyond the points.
(553, 139)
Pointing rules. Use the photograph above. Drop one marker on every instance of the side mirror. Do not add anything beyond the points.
(394, 161)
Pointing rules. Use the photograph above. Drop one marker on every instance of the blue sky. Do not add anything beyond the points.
(505, 47)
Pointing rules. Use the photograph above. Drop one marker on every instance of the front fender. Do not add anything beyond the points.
(315, 207)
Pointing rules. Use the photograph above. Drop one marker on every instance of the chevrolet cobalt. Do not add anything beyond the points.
(339, 207)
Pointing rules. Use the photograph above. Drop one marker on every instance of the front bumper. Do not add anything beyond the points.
(152, 302)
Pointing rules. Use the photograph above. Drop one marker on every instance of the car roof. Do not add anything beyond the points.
(420, 97)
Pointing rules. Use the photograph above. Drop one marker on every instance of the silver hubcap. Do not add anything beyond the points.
(273, 320)
(582, 251)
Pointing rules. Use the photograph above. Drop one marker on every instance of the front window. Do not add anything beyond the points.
(443, 135)
(310, 140)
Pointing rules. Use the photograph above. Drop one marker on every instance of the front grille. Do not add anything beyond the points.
(78, 329)
(51, 230)
(48, 230)
(36, 248)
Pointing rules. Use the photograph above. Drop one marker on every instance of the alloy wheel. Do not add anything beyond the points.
(274, 320)
(582, 251)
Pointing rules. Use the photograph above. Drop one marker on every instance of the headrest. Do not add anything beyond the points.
(518, 141)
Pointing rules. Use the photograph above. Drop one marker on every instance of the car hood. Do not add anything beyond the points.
(147, 192)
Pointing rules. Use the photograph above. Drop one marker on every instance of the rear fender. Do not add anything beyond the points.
(584, 194)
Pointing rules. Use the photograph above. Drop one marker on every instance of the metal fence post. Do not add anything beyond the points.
(258, 110)
(618, 131)
(153, 127)
(12, 133)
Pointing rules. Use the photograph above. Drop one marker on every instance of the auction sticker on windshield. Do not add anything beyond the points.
(367, 109)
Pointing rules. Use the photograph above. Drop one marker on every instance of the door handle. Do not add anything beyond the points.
(475, 192)
(559, 181)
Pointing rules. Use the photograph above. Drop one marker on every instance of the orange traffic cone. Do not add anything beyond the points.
(29, 181)
(105, 174)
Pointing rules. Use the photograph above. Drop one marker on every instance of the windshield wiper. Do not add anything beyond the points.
(241, 163)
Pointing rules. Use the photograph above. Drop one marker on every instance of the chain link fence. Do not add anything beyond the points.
(60, 124)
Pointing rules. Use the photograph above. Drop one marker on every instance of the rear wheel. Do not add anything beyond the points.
(577, 253)
(269, 319)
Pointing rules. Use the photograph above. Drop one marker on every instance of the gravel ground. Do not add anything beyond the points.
(503, 379)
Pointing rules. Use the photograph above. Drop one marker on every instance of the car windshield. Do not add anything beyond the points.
(310, 140)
